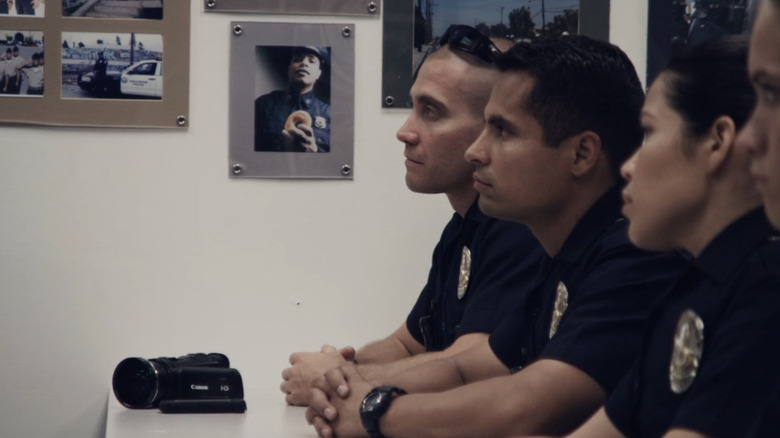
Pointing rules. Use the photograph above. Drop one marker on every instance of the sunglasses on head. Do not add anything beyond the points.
(470, 40)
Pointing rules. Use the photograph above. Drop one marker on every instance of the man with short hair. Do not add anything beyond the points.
(295, 120)
(7, 71)
(481, 267)
(33, 72)
(14, 87)
(561, 119)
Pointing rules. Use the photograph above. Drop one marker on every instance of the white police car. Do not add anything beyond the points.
(144, 78)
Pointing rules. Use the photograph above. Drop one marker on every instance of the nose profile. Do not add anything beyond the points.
(627, 169)
(406, 134)
(477, 152)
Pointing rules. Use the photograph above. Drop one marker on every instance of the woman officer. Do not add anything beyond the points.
(709, 363)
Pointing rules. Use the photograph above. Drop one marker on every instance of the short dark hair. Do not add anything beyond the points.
(581, 84)
(710, 81)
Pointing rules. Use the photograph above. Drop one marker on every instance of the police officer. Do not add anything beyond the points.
(548, 157)
(99, 70)
(273, 110)
(481, 266)
(707, 366)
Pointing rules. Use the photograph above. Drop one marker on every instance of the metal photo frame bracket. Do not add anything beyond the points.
(252, 75)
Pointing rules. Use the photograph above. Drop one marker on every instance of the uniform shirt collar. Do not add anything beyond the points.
(601, 215)
(727, 251)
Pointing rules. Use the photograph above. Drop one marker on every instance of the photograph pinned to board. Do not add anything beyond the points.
(412, 29)
(291, 100)
(109, 70)
(299, 7)
(119, 9)
(21, 63)
(106, 65)
(23, 8)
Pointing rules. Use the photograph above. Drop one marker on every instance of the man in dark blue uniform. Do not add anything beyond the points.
(481, 266)
(311, 133)
(100, 71)
(26, 7)
(4, 6)
(560, 120)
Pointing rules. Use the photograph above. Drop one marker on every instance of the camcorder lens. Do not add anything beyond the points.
(136, 383)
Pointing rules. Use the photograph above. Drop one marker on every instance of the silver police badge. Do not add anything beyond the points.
(561, 303)
(465, 271)
(686, 354)
(319, 122)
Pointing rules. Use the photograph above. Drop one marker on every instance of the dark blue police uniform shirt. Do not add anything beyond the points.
(734, 288)
(505, 256)
(271, 112)
(611, 285)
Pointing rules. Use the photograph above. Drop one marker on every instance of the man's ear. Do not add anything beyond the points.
(586, 152)
(720, 143)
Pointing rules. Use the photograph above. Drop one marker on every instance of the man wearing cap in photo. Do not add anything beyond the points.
(295, 120)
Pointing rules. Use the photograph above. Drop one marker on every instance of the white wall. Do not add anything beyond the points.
(117, 243)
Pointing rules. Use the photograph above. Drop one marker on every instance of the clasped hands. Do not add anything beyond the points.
(329, 383)
(334, 402)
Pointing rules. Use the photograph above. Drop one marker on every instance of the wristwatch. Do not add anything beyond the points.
(374, 405)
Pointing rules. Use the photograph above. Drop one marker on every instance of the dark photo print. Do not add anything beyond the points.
(517, 20)
(148, 9)
(292, 108)
(22, 8)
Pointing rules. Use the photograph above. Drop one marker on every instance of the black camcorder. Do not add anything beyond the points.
(195, 382)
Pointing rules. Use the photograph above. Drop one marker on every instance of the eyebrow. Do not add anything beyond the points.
(426, 99)
(760, 76)
(497, 120)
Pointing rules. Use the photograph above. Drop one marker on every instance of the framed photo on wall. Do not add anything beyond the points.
(411, 29)
(301, 7)
(675, 25)
(105, 64)
(291, 100)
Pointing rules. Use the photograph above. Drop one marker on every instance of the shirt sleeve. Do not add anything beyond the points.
(601, 333)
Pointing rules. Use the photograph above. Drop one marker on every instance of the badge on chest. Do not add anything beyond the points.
(465, 272)
(561, 304)
(687, 351)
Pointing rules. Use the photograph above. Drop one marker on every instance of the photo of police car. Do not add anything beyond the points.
(144, 78)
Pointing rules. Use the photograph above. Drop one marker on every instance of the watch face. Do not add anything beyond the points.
(371, 402)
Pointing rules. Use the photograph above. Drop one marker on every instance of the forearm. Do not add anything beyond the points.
(383, 351)
(383, 373)
(481, 409)
(546, 398)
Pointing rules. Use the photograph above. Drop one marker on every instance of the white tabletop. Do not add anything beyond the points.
(267, 415)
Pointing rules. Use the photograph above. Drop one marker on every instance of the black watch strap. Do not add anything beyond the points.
(374, 405)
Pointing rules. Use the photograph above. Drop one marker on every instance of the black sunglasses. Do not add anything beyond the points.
(470, 40)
